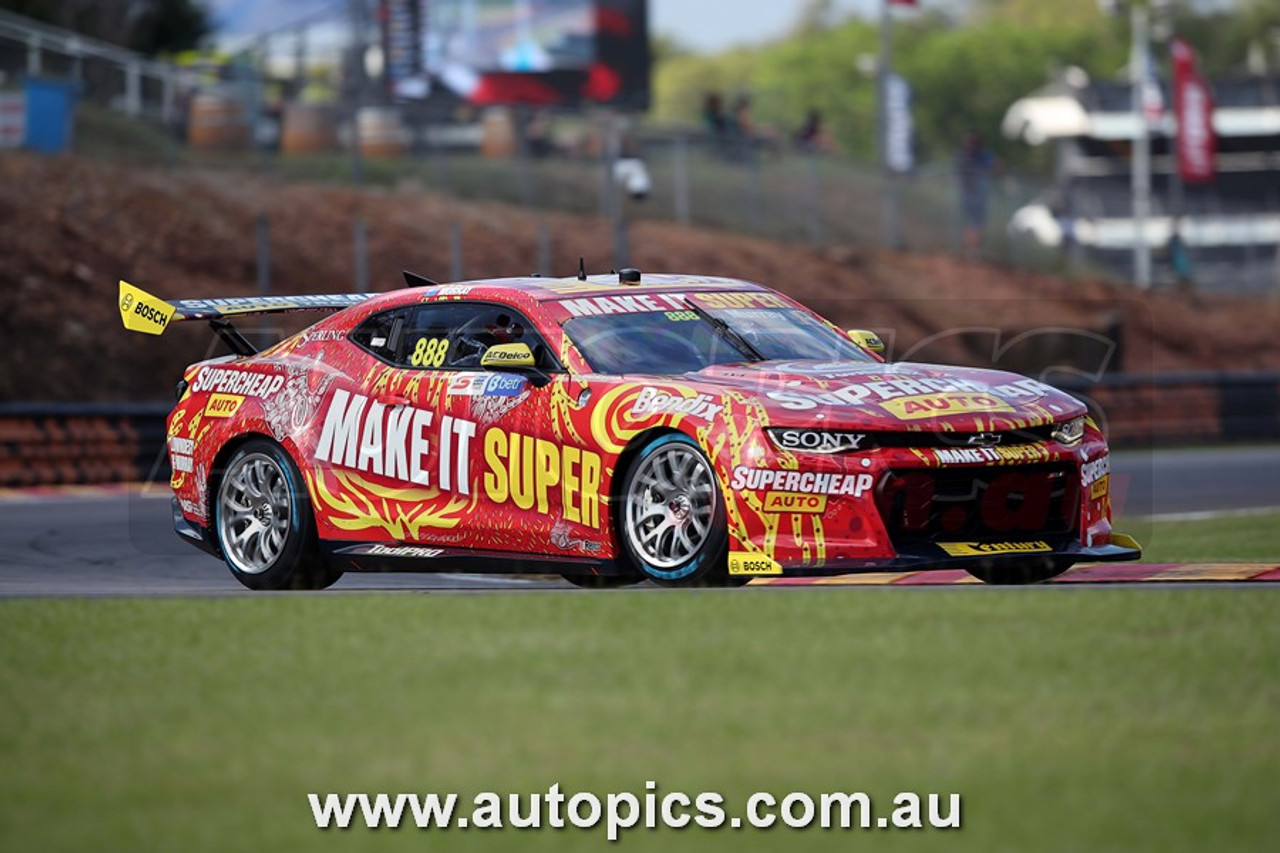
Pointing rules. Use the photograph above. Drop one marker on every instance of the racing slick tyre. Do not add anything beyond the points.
(602, 581)
(1020, 572)
(672, 518)
(264, 523)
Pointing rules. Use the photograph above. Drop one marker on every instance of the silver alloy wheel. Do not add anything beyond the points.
(670, 506)
(254, 508)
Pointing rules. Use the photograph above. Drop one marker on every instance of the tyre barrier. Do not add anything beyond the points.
(1163, 410)
(52, 444)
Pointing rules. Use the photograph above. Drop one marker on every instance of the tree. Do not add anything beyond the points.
(148, 26)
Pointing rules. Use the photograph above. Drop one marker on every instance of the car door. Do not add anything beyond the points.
(446, 453)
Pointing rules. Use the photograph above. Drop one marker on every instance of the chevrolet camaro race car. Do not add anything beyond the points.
(613, 429)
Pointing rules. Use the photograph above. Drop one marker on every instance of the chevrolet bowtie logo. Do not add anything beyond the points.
(984, 439)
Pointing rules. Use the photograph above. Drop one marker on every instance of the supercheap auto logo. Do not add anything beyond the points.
(914, 399)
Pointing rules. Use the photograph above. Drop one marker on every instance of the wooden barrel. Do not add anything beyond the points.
(498, 129)
(308, 129)
(382, 136)
(216, 123)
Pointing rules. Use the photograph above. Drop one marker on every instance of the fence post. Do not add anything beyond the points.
(544, 249)
(166, 98)
(756, 201)
(455, 252)
(263, 240)
(132, 89)
(77, 60)
(524, 169)
(618, 200)
(264, 255)
(33, 55)
(814, 202)
(681, 172)
(362, 260)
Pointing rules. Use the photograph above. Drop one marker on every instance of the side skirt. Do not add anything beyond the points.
(381, 557)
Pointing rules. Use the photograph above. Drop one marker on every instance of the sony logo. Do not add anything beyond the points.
(817, 441)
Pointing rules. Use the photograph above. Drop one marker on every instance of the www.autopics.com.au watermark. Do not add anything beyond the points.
(623, 811)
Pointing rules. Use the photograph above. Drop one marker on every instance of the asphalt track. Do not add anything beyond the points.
(105, 541)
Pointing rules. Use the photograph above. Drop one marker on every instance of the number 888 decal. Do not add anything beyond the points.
(429, 352)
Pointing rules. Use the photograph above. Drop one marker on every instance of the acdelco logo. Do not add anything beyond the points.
(501, 355)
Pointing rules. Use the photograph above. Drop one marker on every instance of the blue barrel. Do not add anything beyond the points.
(50, 114)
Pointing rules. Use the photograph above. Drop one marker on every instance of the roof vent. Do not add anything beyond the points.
(629, 275)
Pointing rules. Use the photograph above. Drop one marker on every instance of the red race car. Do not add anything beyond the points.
(614, 429)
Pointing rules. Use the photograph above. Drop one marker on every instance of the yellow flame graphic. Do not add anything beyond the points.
(358, 504)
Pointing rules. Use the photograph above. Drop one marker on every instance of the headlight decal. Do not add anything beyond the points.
(1070, 432)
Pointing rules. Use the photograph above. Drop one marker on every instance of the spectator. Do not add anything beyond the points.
(713, 116)
(743, 124)
(813, 137)
(1178, 256)
(974, 168)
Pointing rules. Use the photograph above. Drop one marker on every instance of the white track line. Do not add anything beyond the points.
(1210, 515)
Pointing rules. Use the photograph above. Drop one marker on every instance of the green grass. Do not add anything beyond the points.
(1069, 719)
(1238, 539)
(101, 133)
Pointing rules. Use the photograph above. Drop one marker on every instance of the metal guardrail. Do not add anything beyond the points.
(118, 77)
(68, 443)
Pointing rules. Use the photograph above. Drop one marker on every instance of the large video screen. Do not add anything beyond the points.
(511, 35)
(538, 52)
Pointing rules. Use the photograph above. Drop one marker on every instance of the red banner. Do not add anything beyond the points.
(1197, 145)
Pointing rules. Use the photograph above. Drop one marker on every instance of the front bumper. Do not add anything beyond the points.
(931, 557)
(201, 537)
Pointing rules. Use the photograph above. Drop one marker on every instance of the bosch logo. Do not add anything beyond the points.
(126, 303)
(146, 312)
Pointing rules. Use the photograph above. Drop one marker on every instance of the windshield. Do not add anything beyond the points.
(674, 342)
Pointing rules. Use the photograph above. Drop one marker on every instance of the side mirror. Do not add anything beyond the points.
(867, 340)
(514, 358)
(506, 356)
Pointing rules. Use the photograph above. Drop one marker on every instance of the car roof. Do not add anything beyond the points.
(538, 289)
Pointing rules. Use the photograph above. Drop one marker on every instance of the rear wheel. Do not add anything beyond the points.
(672, 517)
(264, 524)
(1020, 572)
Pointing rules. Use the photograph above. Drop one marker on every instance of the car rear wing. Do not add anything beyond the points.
(151, 315)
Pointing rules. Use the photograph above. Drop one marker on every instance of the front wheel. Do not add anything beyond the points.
(264, 523)
(672, 518)
(1020, 572)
